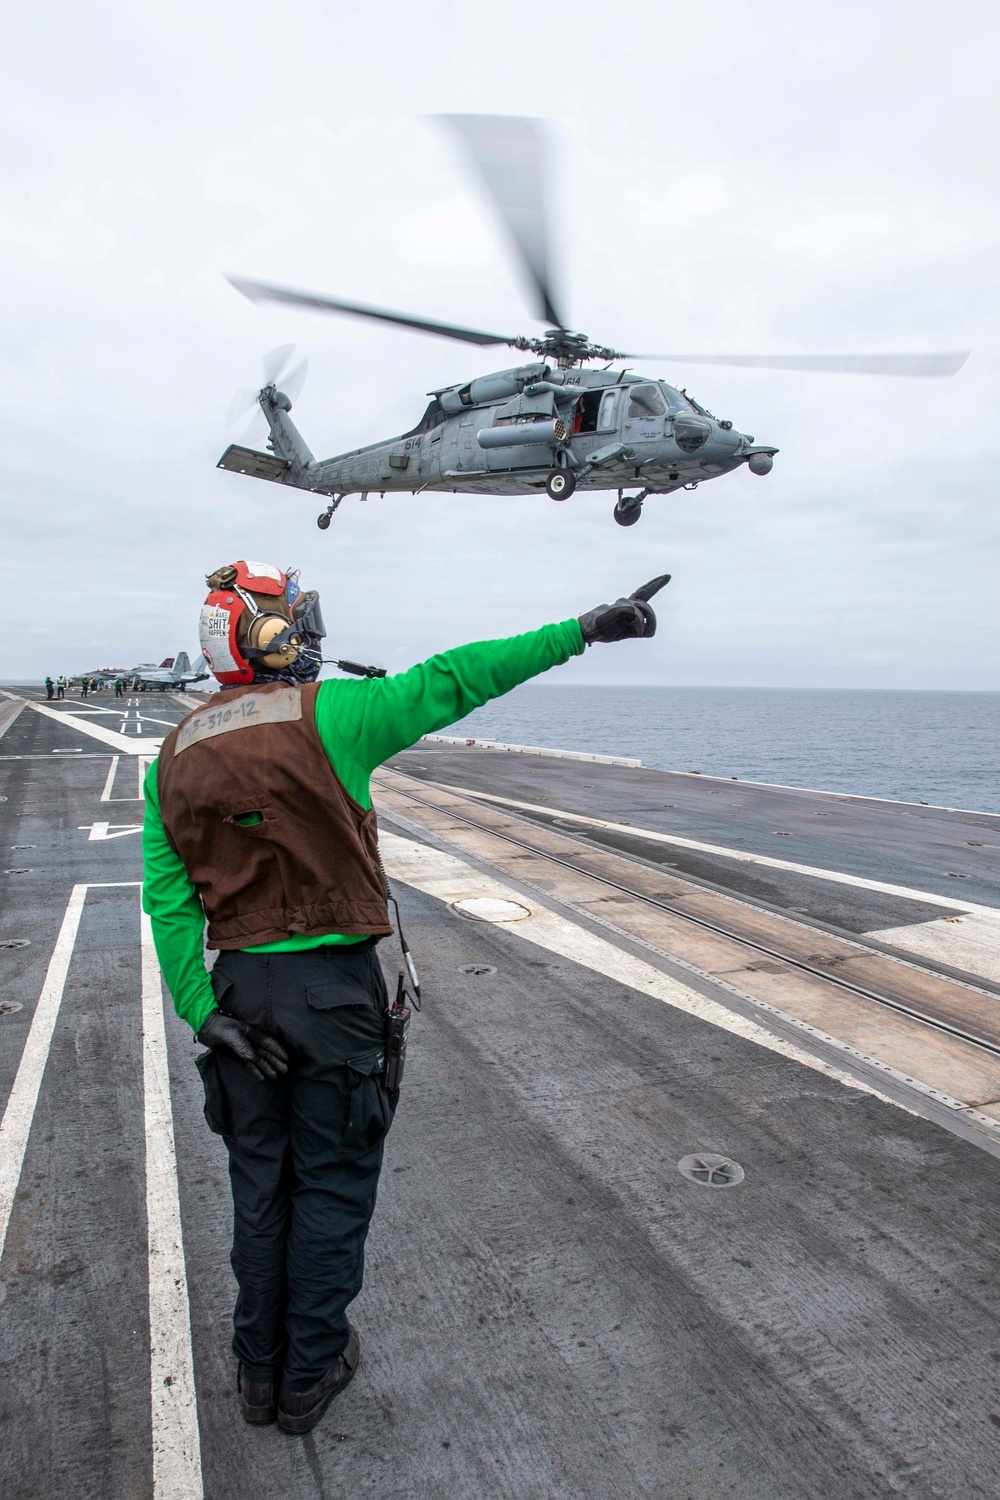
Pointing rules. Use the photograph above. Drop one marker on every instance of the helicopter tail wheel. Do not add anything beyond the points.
(323, 521)
(627, 512)
(560, 484)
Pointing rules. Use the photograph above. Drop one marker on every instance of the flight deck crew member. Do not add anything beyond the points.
(259, 819)
(60, 687)
(49, 687)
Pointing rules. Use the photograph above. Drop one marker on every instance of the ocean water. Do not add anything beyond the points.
(937, 747)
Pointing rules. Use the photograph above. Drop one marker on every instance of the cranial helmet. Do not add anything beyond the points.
(257, 625)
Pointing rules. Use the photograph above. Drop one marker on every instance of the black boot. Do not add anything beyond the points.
(300, 1413)
(257, 1399)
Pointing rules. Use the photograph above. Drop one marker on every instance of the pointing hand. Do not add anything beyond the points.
(626, 619)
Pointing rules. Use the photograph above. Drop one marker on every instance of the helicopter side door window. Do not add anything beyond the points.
(645, 401)
(606, 414)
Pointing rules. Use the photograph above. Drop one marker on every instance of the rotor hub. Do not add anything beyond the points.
(565, 347)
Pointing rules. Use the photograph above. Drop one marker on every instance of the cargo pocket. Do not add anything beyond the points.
(352, 1025)
(217, 1115)
(347, 989)
(371, 1105)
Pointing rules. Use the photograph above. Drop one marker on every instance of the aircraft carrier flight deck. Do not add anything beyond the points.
(794, 993)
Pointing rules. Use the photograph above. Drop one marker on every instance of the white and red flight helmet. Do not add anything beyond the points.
(257, 624)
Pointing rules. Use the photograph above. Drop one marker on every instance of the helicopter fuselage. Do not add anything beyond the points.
(520, 431)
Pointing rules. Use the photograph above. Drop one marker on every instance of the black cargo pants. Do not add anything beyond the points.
(305, 1151)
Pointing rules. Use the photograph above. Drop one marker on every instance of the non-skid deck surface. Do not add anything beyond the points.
(551, 1309)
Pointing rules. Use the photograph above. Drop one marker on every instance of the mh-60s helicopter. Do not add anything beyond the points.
(549, 424)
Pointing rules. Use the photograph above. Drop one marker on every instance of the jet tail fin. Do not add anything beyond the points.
(181, 663)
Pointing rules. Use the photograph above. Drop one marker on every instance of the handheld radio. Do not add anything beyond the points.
(397, 1027)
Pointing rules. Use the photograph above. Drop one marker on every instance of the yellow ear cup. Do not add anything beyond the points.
(263, 629)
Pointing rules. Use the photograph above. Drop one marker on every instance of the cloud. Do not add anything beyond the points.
(726, 179)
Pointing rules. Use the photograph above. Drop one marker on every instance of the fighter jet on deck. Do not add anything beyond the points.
(173, 672)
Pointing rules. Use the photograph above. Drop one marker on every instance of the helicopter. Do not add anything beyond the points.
(548, 424)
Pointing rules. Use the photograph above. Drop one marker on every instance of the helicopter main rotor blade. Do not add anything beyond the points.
(927, 365)
(259, 291)
(509, 154)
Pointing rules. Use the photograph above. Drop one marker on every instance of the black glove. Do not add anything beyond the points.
(260, 1054)
(625, 620)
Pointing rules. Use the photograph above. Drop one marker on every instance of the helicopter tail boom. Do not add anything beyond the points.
(286, 441)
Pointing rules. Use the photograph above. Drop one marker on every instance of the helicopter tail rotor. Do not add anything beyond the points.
(276, 366)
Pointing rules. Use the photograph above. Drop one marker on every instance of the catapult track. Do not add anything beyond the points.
(987, 1042)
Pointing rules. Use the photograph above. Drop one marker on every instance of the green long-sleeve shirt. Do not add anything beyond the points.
(361, 724)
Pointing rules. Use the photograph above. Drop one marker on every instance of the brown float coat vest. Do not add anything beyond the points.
(309, 862)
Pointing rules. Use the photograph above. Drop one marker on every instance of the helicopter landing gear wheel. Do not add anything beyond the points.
(560, 484)
(628, 508)
(323, 520)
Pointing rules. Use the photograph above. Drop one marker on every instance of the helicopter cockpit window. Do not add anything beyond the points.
(645, 401)
(675, 400)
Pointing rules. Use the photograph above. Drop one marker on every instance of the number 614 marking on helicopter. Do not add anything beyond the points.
(545, 425)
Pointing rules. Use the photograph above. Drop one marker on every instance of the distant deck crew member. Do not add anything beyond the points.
(49, 687)
(259, 819)
(60, 687)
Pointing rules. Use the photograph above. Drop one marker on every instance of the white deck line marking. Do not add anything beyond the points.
(176, 1441)
(16, 1124)
(110, 737)
(9, 712)
(112, 770)
(742, 855)
(101, 832)
(143, 763)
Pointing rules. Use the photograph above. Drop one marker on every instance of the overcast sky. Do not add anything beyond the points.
(734, 177)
